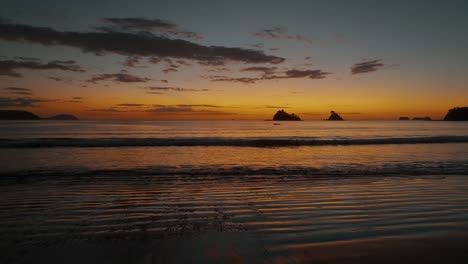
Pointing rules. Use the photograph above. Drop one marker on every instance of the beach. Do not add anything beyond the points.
(350, 203)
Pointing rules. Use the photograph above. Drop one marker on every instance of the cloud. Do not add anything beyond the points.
(246, 80)
(18, 91)
(131, 105)
(168, 70)
(57, 79)
(199, 105)
(27, 58)
(176, 89)
(108, 110)
(132, 61)
(118, 77)
(154, 25)
(367, 66)
(10, 67)
(6, 102)
(185, 110)
(289, 74)
(281, 33)
(132, 44)
(265, 70)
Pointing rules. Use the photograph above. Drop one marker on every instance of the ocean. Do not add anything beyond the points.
(263, 190)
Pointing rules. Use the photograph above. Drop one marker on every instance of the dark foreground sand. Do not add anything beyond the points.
(255, 219)
(244, 248)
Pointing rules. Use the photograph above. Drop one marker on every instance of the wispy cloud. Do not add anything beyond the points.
(367, 66)
(289, 74)
(118, 77)
(153, 25)
(281, 33)
(175, 89)
(10, 67)
(18, 90)
(6, 102)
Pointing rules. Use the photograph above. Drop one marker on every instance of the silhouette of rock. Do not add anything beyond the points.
(426, 118)
(17, 115)
(457, 114)
(404, 118)
(62, 117)
(281, 115)
(334, 116)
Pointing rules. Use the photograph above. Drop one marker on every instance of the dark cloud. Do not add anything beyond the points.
(57, 79)
(20, 102)
(77, 98)
(154, 60)
(311, 74)
(10, 67)
(176, 89)
(154, 25)
(164, 81)
(18, 91)
(307, 58)
(27, 58)
(140, 23)
(133, 44)
(367, 66)
(118, 77)
(289, 74)
(132, 61)
(281, 33)
(229, 79)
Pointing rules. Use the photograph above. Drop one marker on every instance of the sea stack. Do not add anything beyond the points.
(334, 116)
(457, 114)
(281, 115)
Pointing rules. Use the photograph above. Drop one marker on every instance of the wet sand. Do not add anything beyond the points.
(242, 219)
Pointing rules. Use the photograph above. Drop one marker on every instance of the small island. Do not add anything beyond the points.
(25, 115)
(334, 116)
(281, 115)
(457, 114)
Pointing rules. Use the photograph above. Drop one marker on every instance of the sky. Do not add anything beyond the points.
(152, 60)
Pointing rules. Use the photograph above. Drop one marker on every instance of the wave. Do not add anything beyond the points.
(237, 142)
(338, 170)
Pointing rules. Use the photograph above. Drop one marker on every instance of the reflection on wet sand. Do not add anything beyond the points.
(252, 219)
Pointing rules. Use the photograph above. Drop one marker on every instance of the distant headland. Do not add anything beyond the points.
(282, 115)
(457, 114)
(25, 115)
